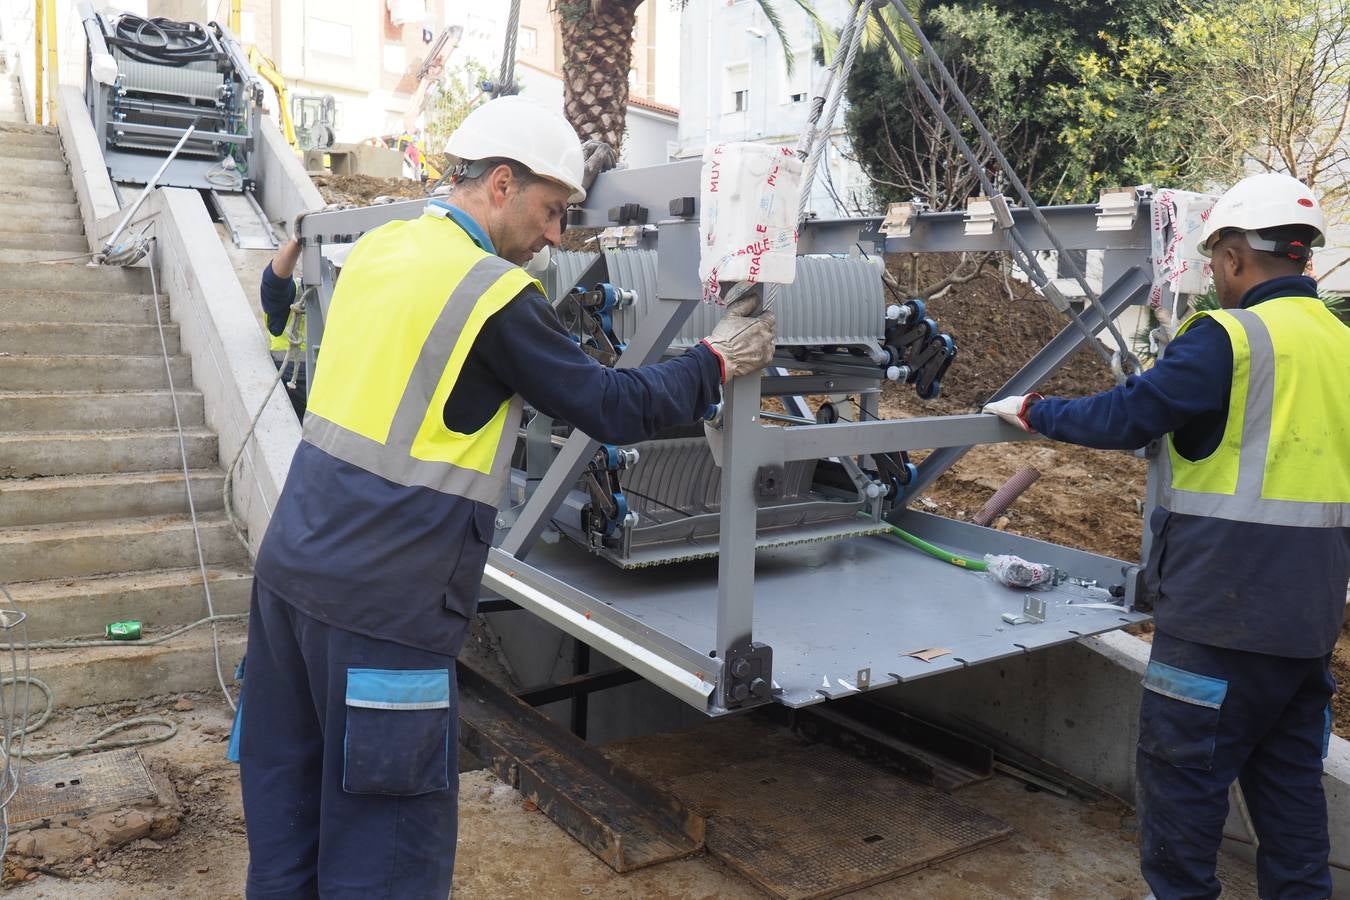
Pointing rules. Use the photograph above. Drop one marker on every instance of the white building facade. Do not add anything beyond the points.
(736, 88)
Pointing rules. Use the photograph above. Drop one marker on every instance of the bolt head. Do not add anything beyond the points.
(759, 688)
(740, 668)
(740, 693)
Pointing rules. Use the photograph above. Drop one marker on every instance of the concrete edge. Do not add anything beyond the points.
(284, 188)
(93, 187)
(230, 366)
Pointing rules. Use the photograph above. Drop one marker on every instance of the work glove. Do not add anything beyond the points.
(599, 157)
(743, 340)
(1013, 410)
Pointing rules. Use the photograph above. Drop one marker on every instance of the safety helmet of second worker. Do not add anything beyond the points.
(1272, 220)
(529, 160)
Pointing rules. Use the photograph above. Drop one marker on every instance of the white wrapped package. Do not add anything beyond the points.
(748, 215)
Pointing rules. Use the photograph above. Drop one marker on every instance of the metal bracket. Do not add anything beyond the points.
(1117, 209)
(747, 676)
(1033, 611)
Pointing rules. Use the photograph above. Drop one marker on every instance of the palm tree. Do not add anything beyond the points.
(597, 40)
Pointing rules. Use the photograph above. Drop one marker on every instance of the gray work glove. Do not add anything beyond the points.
(599, 157)
(743, 340)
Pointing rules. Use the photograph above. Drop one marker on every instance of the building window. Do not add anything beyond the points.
(736, 84)
(528, 40)
(797, 86)
(333, 38)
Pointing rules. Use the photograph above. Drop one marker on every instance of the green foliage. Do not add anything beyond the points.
(1069, 89)
(450, 99)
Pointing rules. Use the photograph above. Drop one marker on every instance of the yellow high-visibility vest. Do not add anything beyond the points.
(280, 343)
(1284, 458)
(412, 298)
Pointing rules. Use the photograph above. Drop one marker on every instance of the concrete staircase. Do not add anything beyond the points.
(94, 524)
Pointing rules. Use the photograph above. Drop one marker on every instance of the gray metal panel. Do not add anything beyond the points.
(831, 609)
(834, 301)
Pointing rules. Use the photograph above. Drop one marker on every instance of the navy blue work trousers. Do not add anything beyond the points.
(1211, 716)
(348, 758)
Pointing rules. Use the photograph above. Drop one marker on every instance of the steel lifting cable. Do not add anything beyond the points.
(1020, 251)
(1127, 359)
(507, 79)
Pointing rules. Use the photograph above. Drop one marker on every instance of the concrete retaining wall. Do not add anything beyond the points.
(285, 189)
(1077, 706)
(93, 187)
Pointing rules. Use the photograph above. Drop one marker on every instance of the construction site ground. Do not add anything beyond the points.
(1060, 847)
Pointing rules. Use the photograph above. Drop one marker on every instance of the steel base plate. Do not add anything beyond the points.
(79, 786)
(831, 610)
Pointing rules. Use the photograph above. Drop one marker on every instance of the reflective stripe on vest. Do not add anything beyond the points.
(394, 346)
(1284, 458)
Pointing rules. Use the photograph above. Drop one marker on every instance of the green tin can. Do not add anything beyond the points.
(124, 631)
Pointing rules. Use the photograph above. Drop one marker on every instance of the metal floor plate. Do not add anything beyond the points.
(815, 822)
(829, 610)
(74, 787)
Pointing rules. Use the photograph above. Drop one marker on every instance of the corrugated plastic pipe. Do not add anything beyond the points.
(1004, 496)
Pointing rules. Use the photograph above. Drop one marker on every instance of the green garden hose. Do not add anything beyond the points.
(964, 562)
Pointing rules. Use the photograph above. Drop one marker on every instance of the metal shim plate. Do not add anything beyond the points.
(76, 787)
(815, 823)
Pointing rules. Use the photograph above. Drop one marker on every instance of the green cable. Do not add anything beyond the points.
(965, 562)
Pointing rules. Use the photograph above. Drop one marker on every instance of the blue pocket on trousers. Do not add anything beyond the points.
(1179, 716)
(398, 731)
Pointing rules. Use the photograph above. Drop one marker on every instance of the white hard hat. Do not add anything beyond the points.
(1264, 201)
(515, 128)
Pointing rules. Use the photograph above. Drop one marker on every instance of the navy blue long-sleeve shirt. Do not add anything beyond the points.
(403, 563)
(277, 294)
(1245, 586)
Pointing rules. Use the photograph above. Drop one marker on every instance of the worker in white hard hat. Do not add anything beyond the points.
(369, 573)
(1250, 556)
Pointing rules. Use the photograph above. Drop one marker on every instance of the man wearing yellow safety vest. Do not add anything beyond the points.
(277, 294)
(369, 572)
(1250, 556)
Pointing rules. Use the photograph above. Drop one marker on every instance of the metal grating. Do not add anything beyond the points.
(834, 301)
(75, 787)
(814, 823)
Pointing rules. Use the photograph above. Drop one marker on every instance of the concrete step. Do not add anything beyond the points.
(67, 244)
(34, 169)
(50, 142)
(78, 549)
(86, 677)
(35, 454)
(82, 338)
(18, 192)
(160, 600)
(74, 277)
(54, 256)
(27, 128)
(75, 306)
(85, 498)
(92, 373)
(64, 217)
(43, 150)
(97, 410)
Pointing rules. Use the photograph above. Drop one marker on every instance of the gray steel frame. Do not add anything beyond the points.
(185, 171)
(694, 663)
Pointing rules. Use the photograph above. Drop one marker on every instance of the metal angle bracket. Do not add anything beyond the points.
(1033, 611)
(747, 678)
